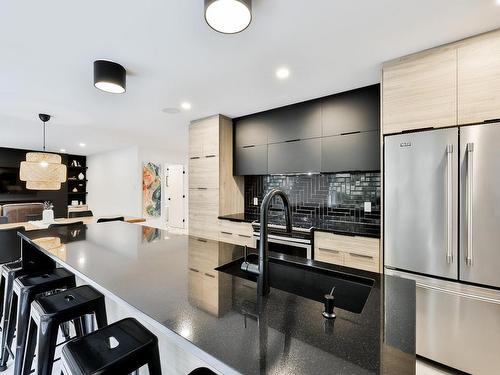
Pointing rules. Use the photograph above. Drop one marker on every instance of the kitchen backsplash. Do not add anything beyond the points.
(318, 200)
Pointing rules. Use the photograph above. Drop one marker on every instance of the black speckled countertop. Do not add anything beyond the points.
(163, 276)
(348, 228)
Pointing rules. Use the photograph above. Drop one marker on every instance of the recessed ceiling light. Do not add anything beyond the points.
(109, 76)
(283, 73)
(62, 150)
(81, 144)
(228, 16)
(186, 106)
(170, 110)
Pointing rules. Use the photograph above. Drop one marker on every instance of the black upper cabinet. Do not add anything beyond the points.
(295, 157)
(251, 130)
(338, 133)
(351, 111)
(351, 152)
(250, 160)
(298, 121)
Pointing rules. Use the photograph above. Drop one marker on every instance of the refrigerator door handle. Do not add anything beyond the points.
(469, 201)
(449, 204)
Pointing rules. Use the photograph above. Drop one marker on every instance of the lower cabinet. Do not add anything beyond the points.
(350, 251)
(236, 233)
(205, 284)
(203, 213)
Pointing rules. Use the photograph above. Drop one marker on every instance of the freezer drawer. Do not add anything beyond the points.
(421, 199)
(457, 325)
(480, 204)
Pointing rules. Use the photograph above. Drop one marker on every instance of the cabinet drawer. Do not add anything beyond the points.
(329, 256)
(204, 202)
(236, 228)
(362, 262)
(203, 255)
(353, 244)
(204, 172)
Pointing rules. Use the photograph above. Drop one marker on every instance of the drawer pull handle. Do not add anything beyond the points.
(193, 269)
(244, 235)
(360, 256)
(329, 250)
(202, 188)
(202, 240)
(194, 157)
(209, 275)
(210, 156)
(228, 233)
(248, 146)
(292, 140)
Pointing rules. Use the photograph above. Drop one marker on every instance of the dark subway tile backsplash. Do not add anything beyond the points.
(321, 201)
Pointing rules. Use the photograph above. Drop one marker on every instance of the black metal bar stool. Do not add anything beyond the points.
(120, 348)
(49, 312)
(202, 371)
(26, 288)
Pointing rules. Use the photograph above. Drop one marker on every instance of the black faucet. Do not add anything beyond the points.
(263, 272)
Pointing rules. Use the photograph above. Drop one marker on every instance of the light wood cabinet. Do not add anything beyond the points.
(213, 190)
(479, 79)
(420, 91)
(236, 233)
(207, 288)
(350, 251)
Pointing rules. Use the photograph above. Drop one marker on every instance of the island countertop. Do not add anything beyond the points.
(172, 280)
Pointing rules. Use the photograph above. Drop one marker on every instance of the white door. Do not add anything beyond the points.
(175, 215)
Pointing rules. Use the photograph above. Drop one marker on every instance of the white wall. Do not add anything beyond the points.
(115, 180)
(114, 183)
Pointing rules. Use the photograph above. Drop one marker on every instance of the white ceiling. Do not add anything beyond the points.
(47, 49)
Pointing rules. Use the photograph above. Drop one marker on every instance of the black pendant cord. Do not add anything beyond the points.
(44, 123)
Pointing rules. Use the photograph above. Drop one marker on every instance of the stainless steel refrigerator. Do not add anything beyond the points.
(442, 229)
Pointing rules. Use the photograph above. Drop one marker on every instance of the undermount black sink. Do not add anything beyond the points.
(351, 291)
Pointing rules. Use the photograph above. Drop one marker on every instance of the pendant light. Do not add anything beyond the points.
(43, 170)
(228, 16)
(109, 76)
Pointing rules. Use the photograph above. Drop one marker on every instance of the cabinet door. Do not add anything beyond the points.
(420, 92)
(299, 121)
(352, 111)
(251, 130)
(351, 152)
(295, 157)
(479, 80)
(250, 160)
(204, 172)
(196, 140)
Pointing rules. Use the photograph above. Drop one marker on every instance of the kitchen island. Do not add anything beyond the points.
(170, 282)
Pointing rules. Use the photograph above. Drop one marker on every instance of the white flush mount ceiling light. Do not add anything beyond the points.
(282, 73)
(186, 106)
(81, 144)
(109, 76)
(228, 16)
(42, 170)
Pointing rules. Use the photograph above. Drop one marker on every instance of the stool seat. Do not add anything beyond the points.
(119, 348)
(48, 313)
(44, 281)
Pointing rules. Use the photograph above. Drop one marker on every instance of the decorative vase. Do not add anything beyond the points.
(81, 176)
(47, 216)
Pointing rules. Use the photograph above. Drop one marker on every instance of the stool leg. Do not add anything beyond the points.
(79, 327)
(89, 323)
(9, 324)
(23, 318)
(47, 340)
(65, 331)
(30, 348)
(100, 314)
(154, 364)
(2, 294)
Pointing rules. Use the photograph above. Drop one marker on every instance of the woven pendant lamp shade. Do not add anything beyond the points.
(42, 171)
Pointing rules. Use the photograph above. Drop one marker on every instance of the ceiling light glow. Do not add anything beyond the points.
(186, 106)
(228, 16)
(62, 150)
(81, 144)
(283, 73)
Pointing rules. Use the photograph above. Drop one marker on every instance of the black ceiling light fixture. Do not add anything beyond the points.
(228, 16)
(109, 76)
